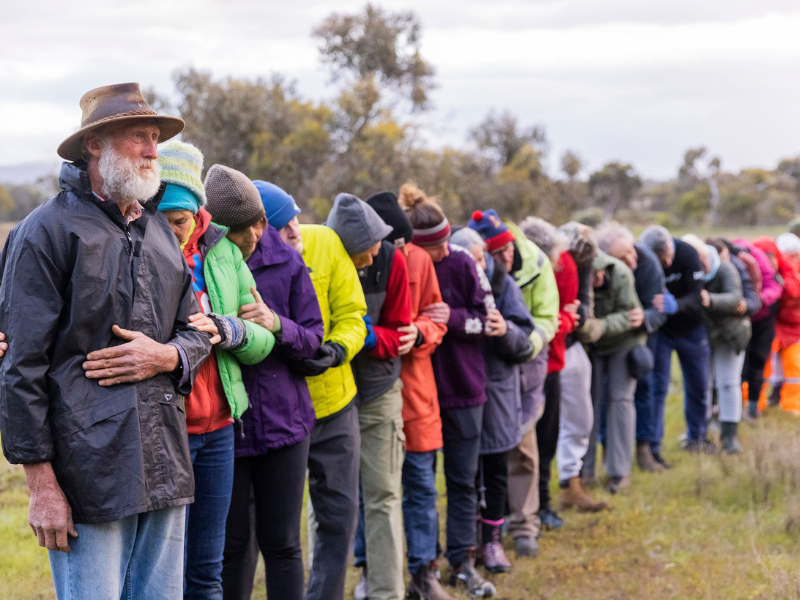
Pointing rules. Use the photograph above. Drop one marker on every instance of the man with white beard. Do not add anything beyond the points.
(95, 302)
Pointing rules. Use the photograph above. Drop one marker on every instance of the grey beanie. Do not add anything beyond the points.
(233, 200)
(356, 223)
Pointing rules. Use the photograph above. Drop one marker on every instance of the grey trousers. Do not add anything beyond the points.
(577, 414)
(613, 389)
(333, 462)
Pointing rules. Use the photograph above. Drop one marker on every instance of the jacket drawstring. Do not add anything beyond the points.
(241, 427)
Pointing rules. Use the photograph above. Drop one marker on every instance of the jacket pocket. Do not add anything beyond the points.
(104, 408)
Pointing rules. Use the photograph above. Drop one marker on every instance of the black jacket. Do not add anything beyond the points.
(649, 278)
(685, 278)
(70, 271)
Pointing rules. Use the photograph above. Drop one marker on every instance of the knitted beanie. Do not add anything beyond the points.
(491, 228)
(233, 200)
(182, 164)
(356, 223)
(385, 204)
(279, 206)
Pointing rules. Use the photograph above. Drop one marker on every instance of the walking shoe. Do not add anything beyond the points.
(729, 439)
(660, 460)
(549, 518)
(752, 409)
(466, 577)
(775, 396)
(425, 585)
(645, 460)
(362, 587)
(526, 546)
(704, 446)
(618, 483)
(574, 496)
(494, 556)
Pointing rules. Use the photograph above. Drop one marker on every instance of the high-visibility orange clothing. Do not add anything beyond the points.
(783, 367)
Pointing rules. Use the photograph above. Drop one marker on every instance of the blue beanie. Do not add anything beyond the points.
(492, 229)
(279, 206)
(177, 197)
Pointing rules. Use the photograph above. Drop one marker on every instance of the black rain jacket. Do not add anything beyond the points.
(70, 271)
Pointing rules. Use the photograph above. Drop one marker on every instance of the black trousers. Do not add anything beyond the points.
(757, 354)
(275, 482)
(547, 434)
(493, 492)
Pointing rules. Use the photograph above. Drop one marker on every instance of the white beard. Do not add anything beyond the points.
(123, 180)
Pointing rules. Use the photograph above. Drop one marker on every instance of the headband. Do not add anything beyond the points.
(432, 236)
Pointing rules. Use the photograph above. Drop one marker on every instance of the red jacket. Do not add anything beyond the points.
(566, 272)
(787, 325)
(395, 312)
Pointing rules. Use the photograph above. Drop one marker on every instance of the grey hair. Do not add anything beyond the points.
(549, 239)
(609, 232)
(657, 238)
(467, 238)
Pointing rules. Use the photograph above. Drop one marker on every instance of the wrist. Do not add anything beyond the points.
(170, 359)
(40, 476)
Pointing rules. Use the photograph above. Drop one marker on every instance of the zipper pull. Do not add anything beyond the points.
(241, 428)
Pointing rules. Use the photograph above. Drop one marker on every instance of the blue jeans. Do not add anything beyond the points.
(420, 518)
(644, 399)
(694, 355)
(136, 558)
(212, 461)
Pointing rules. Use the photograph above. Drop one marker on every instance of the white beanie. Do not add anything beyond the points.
(788, 243)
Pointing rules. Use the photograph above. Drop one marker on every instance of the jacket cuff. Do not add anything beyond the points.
(184, 371)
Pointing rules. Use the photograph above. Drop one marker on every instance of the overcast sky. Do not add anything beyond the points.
(631, 80)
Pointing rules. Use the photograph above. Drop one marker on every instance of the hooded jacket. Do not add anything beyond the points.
(281, 412)
(787, 324)
(343, 307)
(71, 270)
(612, 303)
(771, 289)
(539, 289)
(649, 281)
(725, 326)
(566, 275)
(422, 422)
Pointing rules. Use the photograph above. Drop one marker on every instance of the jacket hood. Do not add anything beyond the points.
(356, 223)
(270, 250)
(602, 261)
(531, 255)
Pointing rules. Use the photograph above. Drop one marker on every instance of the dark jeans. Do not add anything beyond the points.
(645, 414)
(494, 471)
(212, 463)
(547, 434)
(694, 355)
(461, 433)
(420, 519)
(275, 482)
(757, 354)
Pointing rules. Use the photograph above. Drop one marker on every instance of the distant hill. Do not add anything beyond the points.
(27, 172)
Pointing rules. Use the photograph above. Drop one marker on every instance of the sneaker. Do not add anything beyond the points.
(467, 578)
(362, 588)
(550, 519)
(526, 546)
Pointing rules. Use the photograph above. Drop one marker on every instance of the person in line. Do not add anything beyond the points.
(728, 332)
(762, 326)
(685, 333)
(383, 275)
(783, 369)
(460, 373)
(273, 440)
(507, 344)
(222, 284)
(422, 423)
(94, 412)
(621, 359)
(617, 241)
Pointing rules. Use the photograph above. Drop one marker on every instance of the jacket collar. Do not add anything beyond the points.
(270, 250)
(211, 234)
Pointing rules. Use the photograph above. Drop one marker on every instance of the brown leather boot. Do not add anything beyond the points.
(425, 586)
(645, 460)
(574, 496)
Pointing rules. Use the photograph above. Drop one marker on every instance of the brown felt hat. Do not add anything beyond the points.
(112, 104)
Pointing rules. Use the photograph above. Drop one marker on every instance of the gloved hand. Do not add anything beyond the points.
(371, 340)
(329, 355)
(670, 303)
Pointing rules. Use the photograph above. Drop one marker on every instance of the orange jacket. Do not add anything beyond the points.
(422, 423)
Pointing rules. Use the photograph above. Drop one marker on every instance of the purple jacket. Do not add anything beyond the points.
(458, 363)
(771, 288)
(281, 412)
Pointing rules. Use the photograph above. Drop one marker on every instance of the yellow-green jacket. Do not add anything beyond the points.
(343, 307)
(538, 285)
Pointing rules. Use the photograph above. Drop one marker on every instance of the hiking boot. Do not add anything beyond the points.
(704, 446)
(775, 396)
(466, 577)
(425, 586)
(729, 439)
(549, 518)
(574, 496)
(493, 555)
(645, 460)
(618, 483)
(660, 460)
(362, 587)
(526, 546)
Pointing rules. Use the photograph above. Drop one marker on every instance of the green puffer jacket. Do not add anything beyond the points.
(612, 302)
(725, 326)
(228, 281)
